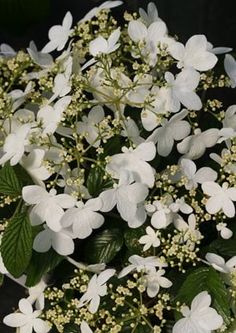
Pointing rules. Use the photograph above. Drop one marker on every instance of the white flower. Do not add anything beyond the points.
(141, 264)
(225, 232)
(131, 131)
(58, 35)
(101, 45)
(151, 115)
(44, 60)
(154, 279)
(229, 167)
(84, 327)
(194, 146)
(230, 68)
(154, 34)
(194, 176)
(135, 161)
(162, 216)
(83, 218)
(150, 239)
(182, 90)
(33, 164)
(48, 206)
(189, 229)
(126, 197)
(151, 15)
(221, 197)
(106, 5)
(219, 263)
(60, 241)
(96, 288)
(180, 205)
(6, 50)
(200, 318)
(229, 120)
(18, 96)
(68, 181)
(195, 54)
(50, 116)
(88, 127)
(26, 320)
(36, 295)
(14, 145)
(174, 129)
(61, 86)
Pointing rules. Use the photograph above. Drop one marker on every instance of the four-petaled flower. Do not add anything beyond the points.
(126, 196)
(27, 320)
(173, 130)
(96, 289)
(219, 263)
(200, 317)
(195, 54)
(58, 35)
(194, 176)
(135, 161)
(45, 203)
(83, 218)
(153, 280)
(221, 197)
(150, 239)
(139, 264)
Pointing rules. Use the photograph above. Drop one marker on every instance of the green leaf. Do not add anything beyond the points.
(103, 247)
(23, 175)
(96, 183)
(131, 239)
(40, 264)
(9, 184)
(113, 146)
(71, 328)
(1, 279)
(206, 278)
(223, 247)
(17, 241)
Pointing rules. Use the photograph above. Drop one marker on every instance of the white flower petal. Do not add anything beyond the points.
(62, 243)
(43, 241)
(33, 194)
(40, 326)
(16, 320)
(137, 30)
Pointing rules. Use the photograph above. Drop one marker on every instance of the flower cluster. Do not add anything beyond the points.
(114, 154)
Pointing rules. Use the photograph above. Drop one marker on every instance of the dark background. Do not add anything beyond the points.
(24, 20)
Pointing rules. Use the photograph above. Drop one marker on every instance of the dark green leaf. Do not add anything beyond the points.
(103, 247)
(96, 183)
(1, 279)
(40, 264)
(131, 239)
(223, 247)
(23, 175)
(17, 243)
(9, 184)
(206, 278)
(71, 328)
(113, 146)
